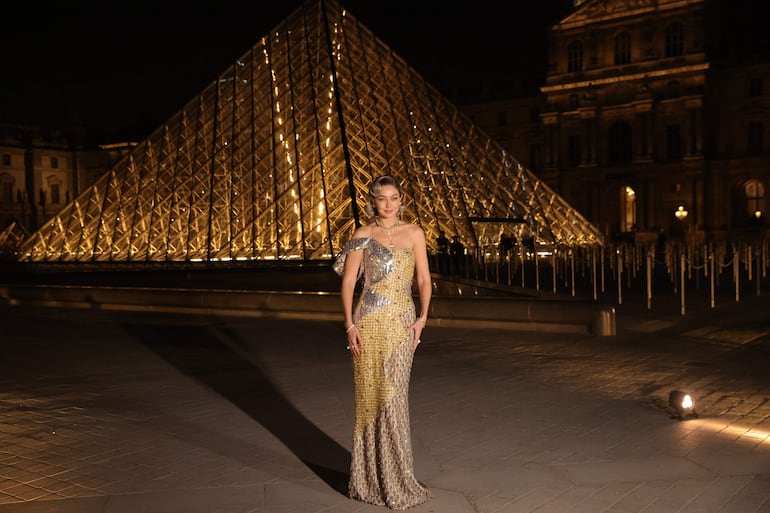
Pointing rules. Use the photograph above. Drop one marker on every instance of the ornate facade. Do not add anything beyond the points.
(41, 171)
(642, 127)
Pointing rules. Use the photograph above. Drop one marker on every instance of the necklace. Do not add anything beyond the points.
(388, 231)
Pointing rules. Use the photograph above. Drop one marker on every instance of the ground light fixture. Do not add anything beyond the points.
(682, 403)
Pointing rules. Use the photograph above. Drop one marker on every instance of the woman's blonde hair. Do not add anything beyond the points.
(374, 189)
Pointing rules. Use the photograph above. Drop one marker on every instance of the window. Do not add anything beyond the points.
(755, 199)
(755, 86)
(54, 162)
(627, 209)
(674, 89)
(6, 187)
(54, 191)
(673, 142)
(756, 136)
(534, 115)
(6, 159)
(619, 139)
(573, 156)
(622, 49)
(674, 40)
(574, 101)
(502, 118)
(575, 56)
(55, 194)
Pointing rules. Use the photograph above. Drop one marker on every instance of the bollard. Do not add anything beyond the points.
(604, 324)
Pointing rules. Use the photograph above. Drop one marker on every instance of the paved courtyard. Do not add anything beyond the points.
(128, 412)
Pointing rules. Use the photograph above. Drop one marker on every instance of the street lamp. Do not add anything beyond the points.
(680, 213)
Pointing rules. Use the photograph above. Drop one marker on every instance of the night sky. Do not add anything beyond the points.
(127, 67)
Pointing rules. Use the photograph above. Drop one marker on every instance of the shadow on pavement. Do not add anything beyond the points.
(202, 355)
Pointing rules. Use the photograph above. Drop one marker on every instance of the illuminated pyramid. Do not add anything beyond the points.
(272, 160)
(10, 238)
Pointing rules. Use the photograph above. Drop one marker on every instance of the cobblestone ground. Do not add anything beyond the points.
(126, 412)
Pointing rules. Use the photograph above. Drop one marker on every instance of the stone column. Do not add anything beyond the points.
(643, 110)
(551, 122)
(590, 138)
(694, 108)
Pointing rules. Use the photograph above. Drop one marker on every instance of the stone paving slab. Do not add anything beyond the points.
(112, 412)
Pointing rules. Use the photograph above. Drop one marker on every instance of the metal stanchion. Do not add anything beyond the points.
(650, 257)
(681, 278)
(553, 269)
(736, 273)
(593, 270)
(713, 277)
(620, 278)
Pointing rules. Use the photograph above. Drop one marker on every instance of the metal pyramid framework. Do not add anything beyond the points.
(272, 161)
(10, 238)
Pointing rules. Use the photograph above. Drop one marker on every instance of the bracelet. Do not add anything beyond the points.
(350, 328)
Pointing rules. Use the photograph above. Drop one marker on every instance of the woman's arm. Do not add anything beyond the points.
(347, 291)
(424, 283)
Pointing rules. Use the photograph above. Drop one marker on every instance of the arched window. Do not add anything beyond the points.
(755, 199)
(619, 143)
(575, 56)
(622, 48)
(674, 40)
(627, 209)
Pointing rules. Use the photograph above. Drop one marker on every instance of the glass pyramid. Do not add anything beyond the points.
(10, 238)
(272, 161)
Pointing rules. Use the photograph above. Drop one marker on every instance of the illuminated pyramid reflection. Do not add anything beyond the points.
(271, 161)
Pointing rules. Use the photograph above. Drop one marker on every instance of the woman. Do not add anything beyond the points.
(383, 332)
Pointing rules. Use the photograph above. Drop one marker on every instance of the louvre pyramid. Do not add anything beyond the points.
(10, 238)
(272, 160)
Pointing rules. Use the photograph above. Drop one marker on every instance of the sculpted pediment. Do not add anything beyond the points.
(595, 9)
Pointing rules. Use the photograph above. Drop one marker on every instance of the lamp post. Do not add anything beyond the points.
(681, 214)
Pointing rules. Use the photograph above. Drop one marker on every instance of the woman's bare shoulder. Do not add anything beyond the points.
(413, 227)
(415, 231)
(363, 231)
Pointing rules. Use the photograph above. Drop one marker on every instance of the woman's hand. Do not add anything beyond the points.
(417, 326)
(354, 341)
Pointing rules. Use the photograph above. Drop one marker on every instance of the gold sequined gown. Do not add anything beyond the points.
(381, 468)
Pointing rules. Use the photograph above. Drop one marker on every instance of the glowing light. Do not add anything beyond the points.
(740, 432)
(682, 403)
(680, 213)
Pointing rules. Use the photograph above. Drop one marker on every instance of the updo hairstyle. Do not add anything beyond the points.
(374, 189)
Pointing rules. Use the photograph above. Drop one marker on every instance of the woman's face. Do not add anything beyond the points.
(388, 202)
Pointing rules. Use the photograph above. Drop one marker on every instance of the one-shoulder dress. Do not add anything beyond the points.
(381, 467)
